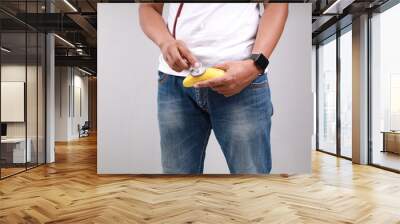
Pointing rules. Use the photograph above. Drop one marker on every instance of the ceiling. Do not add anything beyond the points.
(332, 15)
(77, 25)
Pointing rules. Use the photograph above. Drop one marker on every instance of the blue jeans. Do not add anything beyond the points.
(241, 124)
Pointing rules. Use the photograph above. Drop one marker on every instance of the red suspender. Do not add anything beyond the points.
(178, 13)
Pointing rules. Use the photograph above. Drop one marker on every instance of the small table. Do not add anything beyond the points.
(391, 141)
(13, 150)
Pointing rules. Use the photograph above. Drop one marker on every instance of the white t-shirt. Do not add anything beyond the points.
(214, 32)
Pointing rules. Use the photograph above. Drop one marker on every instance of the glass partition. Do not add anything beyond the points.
(346, 93)
(41, 87)
(327, 96)
(13, 109)
(22, 77)
(385, 89)
(32, 97)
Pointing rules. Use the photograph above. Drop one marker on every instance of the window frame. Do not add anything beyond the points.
(334, 37)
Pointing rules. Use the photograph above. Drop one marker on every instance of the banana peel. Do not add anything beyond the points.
(209, 73)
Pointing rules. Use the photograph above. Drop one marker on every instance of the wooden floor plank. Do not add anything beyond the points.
(70, 191)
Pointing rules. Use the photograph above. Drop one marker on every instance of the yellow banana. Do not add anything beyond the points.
(210, 73)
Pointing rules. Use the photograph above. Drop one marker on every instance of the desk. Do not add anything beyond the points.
(391, 141)
(13, 150)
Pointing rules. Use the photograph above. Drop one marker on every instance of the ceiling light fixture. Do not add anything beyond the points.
(5, 50)
(84, 71)
(328, 10)
(79, 51)
(70, 5)
(64, 40)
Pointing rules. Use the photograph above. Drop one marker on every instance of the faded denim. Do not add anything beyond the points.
(241, 123)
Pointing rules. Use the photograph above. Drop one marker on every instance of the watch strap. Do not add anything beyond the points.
(260, 61)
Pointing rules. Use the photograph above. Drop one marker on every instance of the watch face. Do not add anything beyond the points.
(260, 60)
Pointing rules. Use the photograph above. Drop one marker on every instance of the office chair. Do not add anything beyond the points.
(84, 130)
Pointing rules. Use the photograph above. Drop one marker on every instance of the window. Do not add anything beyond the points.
(346, 93)
(385, 89)
(394, 102)
(334, 63)
(327, 96)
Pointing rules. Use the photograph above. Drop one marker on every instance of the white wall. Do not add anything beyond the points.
(128, 138)
(61, 103)
(66, 121)
(81, 84)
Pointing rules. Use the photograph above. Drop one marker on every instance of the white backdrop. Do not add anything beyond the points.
(128, 138)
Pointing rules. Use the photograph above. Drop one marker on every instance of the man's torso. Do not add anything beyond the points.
(214, 32)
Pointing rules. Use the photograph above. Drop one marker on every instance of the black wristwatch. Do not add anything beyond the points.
(260, 61)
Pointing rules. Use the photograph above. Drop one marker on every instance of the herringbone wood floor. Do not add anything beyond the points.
(70, 191)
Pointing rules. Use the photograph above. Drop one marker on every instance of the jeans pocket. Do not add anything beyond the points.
(260, 82)
(162, 77)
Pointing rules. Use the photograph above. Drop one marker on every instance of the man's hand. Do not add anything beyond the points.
(238, 75)
(175, 52)
(177, 55)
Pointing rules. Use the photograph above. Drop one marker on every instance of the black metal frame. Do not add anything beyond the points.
(44, 79)
(316, 97)
(336, 38)
(0, 89)
(369, 91)
(338, 97)
(45, 91)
